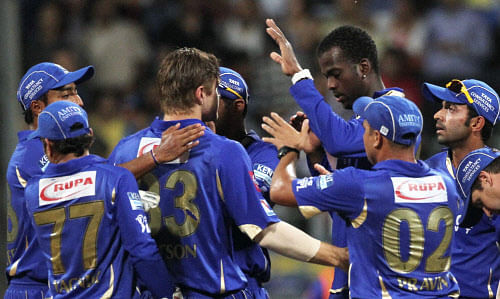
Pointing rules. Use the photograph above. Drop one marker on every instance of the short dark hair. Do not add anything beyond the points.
(76, 145)
(493, 167)
(487, 130)
(181, 72)
(354, 42)
(29, 118)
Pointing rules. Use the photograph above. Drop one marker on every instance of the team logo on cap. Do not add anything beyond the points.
(429, 189)
(54, 190)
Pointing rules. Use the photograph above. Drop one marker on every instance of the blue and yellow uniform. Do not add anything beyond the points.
(204, 193)
(93, 232)
(401, 218)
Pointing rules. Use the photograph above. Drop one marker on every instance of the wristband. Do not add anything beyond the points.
(285, 150)
(303, 74)
(154, 158)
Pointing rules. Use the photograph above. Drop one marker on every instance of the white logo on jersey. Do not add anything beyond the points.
(429, 189)
(267, 208)
(59, 189)
(143, 221)
(135, 200)
(147, 144)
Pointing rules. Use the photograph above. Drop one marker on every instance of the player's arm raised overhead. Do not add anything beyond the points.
(174, 142)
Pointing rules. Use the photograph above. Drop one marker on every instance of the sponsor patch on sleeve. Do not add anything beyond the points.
(135, 200)
(304, 183)
(431, 189)
(267, 208)
(324, 181)
(263, 173)
(252, 176)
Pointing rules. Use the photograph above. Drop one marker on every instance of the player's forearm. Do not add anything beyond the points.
(281, 185)
(140, 166)
(289, 241)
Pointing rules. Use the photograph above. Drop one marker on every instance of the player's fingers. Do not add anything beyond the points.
(192, 133)
(192, 144)
(272, 25)
(171, 129)
(269, 140)
(278, 119)
(271, 131)
(305, 126)
(270, 122)
(319, 168)
(276, 57)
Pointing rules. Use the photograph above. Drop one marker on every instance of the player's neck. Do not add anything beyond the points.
(236, 133)
(389, 153)
(193, 114)
(458, 152)
(376, 84)
(62, 158)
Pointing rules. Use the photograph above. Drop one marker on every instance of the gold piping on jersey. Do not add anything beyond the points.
(222, 281)
(309, 211)
(490, 291)
(362, 217)
(335, 291)
(109, 291)
(449, 167)
(385, 293)
(393, 92)
(219, 184)
(113, 196)
(21, 180)
(251, 230)
(13, 268)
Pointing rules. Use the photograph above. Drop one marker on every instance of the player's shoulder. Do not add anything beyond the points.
(134, 138)
(437, 158)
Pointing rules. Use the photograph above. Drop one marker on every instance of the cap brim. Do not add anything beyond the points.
(472, 216)
(436, 93)
(360, 104)
(77, 76)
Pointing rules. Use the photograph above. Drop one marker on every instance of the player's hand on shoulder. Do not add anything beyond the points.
(149, 199)
(174, 141)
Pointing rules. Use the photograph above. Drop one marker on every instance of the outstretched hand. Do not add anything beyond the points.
(285, 134)
(287, 58)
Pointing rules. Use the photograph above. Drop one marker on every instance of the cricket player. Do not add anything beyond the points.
(88, 216)
(210, 189)
(469, 111)
(401, 212)
(348, 59)
(253, 260)
(43, 84)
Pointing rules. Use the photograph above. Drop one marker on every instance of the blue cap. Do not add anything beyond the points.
(485, 100)
(231, 85)
(467, 172)
(397, 118)
(57, 121)
(41, 78)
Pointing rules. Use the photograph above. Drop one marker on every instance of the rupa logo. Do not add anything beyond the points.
(54, 190)
(429, 189)
(147, 144)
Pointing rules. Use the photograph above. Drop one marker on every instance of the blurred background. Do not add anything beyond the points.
(419, 40)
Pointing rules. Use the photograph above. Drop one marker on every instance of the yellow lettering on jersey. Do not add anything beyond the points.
(68, 285)
(178, 251)
(426, 284)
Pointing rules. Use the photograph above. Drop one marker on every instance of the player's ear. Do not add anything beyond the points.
(364, 67)
(37, 107)
(485, 179)
(199, 94)
(477, 123)
(377, 139)
(239, 105)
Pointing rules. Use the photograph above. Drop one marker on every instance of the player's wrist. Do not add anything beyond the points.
(154, 157)
(301, 75)
(284, 150)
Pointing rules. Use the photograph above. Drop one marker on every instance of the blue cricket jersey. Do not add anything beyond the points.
(26, 264)
(343, 141)
(475, 257)
(204, 193)
(401, 216)
(93, 232)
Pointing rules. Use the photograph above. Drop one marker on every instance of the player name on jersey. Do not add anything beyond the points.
(59, 189)
(431, 189)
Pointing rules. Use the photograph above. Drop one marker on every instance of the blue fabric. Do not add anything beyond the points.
(204, 195)
(390, 208)
(474, 251)
(91, 213)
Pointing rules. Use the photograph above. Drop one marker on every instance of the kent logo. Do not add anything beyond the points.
(53, 190)
(419, 190)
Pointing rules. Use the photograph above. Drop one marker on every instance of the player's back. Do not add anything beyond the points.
(25, 263)
(401, 242)
(77, 212)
